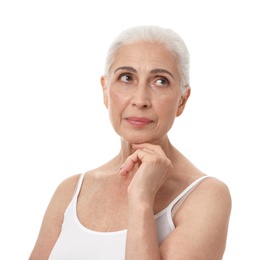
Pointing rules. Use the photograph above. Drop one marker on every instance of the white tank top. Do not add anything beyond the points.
(77, 242)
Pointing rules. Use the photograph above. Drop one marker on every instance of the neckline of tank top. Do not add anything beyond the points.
(123, 231)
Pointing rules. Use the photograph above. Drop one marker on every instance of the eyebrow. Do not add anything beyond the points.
(154, 71)
(131, 69)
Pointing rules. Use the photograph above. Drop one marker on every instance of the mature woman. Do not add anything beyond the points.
(149, 201)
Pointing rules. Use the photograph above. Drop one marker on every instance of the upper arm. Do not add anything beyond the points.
(201, 224)
(53, 219)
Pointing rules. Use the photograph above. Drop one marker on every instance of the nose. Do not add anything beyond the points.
(142, 97)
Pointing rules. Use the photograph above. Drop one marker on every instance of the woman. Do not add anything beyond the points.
(149, 201)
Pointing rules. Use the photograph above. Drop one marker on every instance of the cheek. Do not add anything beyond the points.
(167, 106)
(167, 110)
(116, 101)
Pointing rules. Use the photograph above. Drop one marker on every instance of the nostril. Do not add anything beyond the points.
(141, 99)
(139, 105)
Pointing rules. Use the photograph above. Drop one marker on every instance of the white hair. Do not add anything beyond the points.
(173, 42)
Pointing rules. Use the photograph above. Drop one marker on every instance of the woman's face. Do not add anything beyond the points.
(142, 92)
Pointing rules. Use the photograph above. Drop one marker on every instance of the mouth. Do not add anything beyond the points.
(138, 121)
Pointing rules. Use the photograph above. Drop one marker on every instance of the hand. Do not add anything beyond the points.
(153, 169)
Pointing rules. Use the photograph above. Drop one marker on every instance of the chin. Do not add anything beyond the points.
(139, 139)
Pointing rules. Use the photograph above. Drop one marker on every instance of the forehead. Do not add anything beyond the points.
(149, 55)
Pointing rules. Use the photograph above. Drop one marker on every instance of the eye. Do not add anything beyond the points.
(125, 78)
(161, 82)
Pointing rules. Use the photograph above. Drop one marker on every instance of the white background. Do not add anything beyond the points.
(54, 123)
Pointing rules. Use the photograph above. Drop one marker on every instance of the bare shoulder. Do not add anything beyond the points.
(211, 196)
(63, 194)
(201, 223)
(53, 218)
(65, 189)
(213, 189)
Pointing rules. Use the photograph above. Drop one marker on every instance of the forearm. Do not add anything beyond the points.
(141, 241)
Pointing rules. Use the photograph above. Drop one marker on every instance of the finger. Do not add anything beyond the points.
(129, 164)
(149, 147)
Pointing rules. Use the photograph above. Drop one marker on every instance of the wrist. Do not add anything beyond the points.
(140, 205)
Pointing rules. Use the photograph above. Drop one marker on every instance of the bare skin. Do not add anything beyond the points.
(148, 173)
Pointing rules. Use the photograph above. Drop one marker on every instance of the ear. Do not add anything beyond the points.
(183, 101)
(104, 87)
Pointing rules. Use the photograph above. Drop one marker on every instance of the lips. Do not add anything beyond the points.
(138, 121)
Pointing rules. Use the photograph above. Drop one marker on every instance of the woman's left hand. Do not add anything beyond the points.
(153, 167)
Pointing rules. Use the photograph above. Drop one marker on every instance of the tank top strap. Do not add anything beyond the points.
(79, 185)
(186, 190)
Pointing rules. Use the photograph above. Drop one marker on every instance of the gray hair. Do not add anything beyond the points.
(173, 42)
